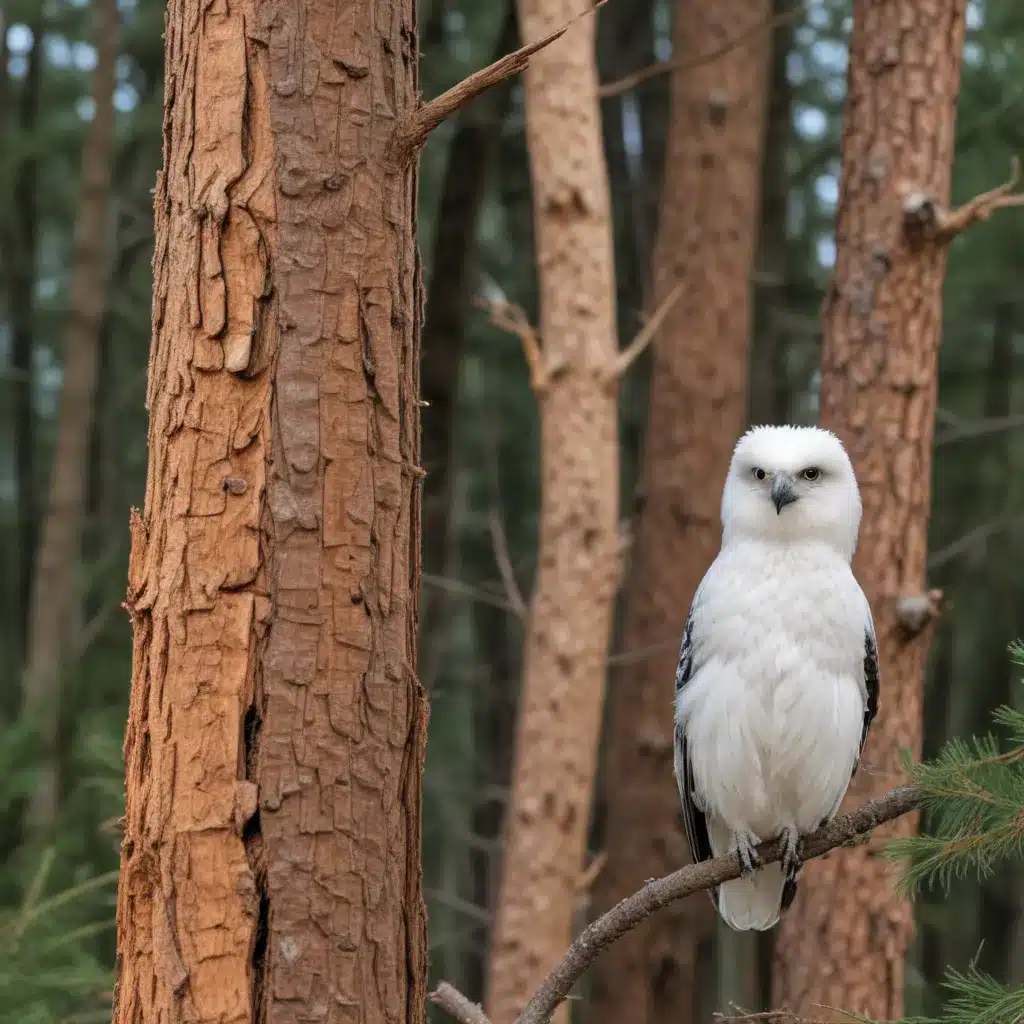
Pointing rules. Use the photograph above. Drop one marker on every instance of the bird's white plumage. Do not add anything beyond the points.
(771, 714)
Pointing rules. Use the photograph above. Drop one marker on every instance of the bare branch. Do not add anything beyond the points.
(978, 428)
(923, 216)
(662, 67)
(658, 893)
(972, 538)
(625, 359)
(501, 556)
(590, 874)
(413, 130)
(457, 1006)
(510, 317)
(916, 611)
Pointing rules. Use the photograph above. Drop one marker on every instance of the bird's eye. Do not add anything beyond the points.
(811, 473)
(760, 473)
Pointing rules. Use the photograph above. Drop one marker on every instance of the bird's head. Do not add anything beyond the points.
(792, 484)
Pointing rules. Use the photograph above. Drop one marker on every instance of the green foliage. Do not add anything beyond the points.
(976, 998)
(974, 803)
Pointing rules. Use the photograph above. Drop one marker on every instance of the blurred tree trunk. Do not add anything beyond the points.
(470, 159)
(769, 386)
(567, 637)
(843, 942)
(56, 588)
(21, 259)
(274, 749)
(706, 238)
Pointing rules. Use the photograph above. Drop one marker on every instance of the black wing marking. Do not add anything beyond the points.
(870, 684)
(694, 821)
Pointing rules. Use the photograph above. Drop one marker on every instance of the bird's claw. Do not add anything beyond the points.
(745, 849)
(791, 859)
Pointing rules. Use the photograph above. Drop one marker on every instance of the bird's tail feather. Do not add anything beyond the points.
(753, 903)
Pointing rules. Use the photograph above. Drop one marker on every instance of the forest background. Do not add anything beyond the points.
(481, 442)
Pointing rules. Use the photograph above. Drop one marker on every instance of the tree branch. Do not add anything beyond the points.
(412, 131)
(922, 215)
(662, 67)
(658, 893)
(625, 359)
(510, 317)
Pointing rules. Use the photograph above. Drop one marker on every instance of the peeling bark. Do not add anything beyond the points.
(706, 237)
(275, 742)
(56, 601)
(568, 631)
(843, 942)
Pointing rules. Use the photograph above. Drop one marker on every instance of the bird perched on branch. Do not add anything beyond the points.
(777, 682)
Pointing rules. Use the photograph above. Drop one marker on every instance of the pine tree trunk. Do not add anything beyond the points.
(706, 236)
(567, 637)
(843, 942)
(56, 599)
(274, 750)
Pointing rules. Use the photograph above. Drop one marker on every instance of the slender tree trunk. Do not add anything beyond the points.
(21, 262)
(843, 942)
(769, 387)
(709, 217)
(567, 636)
(472, 154)
(55, 586)
(275, 742)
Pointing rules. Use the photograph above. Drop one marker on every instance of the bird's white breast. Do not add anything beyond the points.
(774, 708)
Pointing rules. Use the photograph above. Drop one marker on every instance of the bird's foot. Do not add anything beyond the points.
(745, 848)
(791, 859)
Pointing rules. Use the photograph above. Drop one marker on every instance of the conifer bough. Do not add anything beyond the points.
(845, 830)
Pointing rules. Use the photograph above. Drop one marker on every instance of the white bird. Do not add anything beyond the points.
(777, 683)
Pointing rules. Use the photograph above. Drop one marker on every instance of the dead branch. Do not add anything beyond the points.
(971, 539)
(512, 318)
(916, 611)
(413, 130)
(658, 893)
(457, 1006)
(513, 594)
(923, 216)
(663, 67)
(625, 359)
(978, 428)
(589, 875)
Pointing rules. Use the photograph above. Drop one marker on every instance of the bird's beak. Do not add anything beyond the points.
(783, 491)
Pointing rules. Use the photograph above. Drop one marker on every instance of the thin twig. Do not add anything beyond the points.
(662, 67)
(512, 318)
(978, 428)
(589, 874)
(413, 130)
(504, 562)
(627, 914)
(980, 534)
(625, 359)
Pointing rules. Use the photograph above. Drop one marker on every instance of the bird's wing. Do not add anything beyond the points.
(694, 820)
(870, 682)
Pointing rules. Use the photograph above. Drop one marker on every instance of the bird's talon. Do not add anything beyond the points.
(792, 860)
(749, 859)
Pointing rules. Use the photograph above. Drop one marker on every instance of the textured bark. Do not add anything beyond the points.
(56, 600)
(568, 631)
(843, 942)
(274, 749)
(706, 235)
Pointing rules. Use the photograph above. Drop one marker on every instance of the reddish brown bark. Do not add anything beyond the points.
(706, 236)
(56, 600)
(270, 867)
(568, 631)
(843, 942)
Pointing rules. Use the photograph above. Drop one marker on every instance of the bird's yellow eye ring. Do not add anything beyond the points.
(811, 473)
(759, 473)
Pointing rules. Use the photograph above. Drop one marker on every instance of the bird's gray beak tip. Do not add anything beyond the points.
(782, 492)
